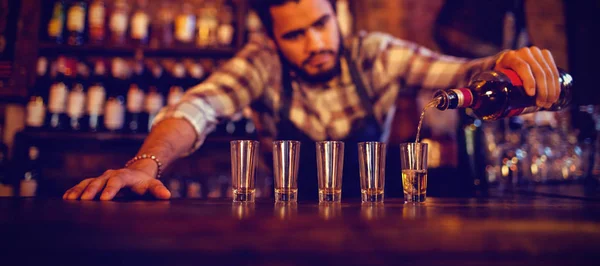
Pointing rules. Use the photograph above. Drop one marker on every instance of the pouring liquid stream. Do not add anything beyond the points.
(433, 103)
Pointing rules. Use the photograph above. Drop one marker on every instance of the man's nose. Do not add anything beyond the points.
(315, 41)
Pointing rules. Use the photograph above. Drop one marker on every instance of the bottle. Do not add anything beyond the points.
(185, 23)
(76, 23)
(96, 97)
(56, 24)
(118, 22)
(57, 98)
(136, 119)
(226, 30)
(207, 26)
(31, 174)
(76, 98)
(97, 22)
(114, 116)
(195, 74)
(494, 95)
(178, 87)
(163, 26)
(152, 105)
(36, 109)
(140, 24)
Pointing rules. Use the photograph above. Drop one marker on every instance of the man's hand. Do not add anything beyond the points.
(537, 70)
(138, 177)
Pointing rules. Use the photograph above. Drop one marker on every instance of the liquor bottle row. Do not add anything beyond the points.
(184, 23)
(116, 95)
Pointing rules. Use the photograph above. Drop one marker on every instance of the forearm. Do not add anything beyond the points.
(168, 140)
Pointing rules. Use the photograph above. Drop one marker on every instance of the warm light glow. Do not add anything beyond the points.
(504, 170)
(434, 153)
(565, 172)
(534, 169)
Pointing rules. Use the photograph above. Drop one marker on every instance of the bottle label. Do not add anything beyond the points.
(465, 97)
(175, 95)
(76, 18)
(114, 117)
(96, 96)
(118, 22)
(57, 98)
(35, 113)
(76, 103)
(184, 27)
(196, 71)
(154, 102)
(139, 26)
(97, 15)
(135, 100)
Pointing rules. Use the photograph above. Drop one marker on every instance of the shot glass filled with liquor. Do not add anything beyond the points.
(285, 169)
(243, 169)
(371, 161)
(330, 166)
(413, 157)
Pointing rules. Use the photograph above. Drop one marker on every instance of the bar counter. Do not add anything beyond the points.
(507, 230)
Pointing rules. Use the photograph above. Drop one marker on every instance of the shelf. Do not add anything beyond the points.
(105, 136)
(86, 50)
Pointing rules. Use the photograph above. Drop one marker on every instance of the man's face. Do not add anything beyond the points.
(307, 35)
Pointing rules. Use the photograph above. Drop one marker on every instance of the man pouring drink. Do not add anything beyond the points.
(304, 82)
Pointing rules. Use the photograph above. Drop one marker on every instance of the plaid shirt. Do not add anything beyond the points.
(252, 79)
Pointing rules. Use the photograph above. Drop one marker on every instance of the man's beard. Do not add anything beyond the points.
(321, 77)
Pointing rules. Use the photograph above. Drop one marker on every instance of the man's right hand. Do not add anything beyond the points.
(137, 177)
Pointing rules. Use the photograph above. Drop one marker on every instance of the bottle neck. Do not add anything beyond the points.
(454, 98)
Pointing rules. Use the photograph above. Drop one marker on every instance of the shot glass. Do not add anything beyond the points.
(330, 167)
(371, 161)
(243, 169)
(413, 158)
(286, 155)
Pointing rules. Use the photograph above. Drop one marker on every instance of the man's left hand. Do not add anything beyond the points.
(537, 70)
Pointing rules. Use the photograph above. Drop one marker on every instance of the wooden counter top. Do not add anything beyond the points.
(523, 230)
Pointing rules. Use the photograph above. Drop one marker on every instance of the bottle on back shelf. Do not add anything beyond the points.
(56, 23)
(494, 95)
(96, 98)
(76, 98)
(178, 84)
(57, 98)
(136, 118)
(207, 26)
(226, 30)
(31, 174)
(140, 23)
(185, 25)
(163, 26)
(36, 109)
(119, 22)
(76, 22)
(114, 112)
(195, 74)
(154, 100)
(97, 22)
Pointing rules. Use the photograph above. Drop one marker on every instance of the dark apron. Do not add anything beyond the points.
(365, 129)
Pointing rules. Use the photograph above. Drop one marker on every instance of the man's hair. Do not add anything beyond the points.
(262, 9)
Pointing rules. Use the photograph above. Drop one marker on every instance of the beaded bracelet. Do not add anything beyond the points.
(147, 156)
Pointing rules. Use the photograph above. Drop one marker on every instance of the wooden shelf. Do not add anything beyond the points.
(105, 136)
(85, 50)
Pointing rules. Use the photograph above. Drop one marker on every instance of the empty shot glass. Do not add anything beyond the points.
(286, 156)
(330, 167)
(371, 161)
(413, 158)
(243, 169)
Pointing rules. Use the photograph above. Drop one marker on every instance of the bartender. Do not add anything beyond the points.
(305, 82)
